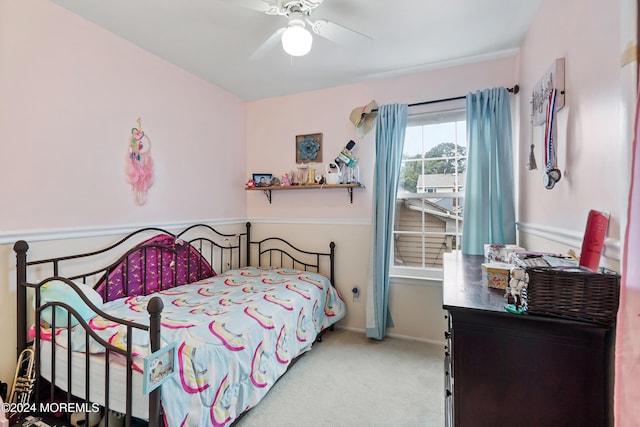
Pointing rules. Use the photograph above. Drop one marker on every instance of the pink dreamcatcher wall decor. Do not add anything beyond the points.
(140, 164)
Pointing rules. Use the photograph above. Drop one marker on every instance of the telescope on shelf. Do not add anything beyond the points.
(346, 162)
(345, 157)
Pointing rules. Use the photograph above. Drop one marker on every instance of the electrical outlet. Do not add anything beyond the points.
(355, 291)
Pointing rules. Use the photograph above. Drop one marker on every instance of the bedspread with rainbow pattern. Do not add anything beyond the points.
(236, 334)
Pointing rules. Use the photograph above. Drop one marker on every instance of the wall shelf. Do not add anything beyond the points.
(267, 190)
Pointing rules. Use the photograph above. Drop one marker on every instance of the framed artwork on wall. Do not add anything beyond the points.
(309, 148)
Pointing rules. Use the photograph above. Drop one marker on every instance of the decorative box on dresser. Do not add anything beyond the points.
(520, 370)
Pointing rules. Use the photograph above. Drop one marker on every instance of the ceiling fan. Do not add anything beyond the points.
(295, 38)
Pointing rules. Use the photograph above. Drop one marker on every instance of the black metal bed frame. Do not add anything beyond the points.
(230, 250)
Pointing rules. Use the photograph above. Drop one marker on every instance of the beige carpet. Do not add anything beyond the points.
(349, 380)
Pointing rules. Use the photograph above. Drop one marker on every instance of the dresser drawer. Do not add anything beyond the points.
(448, 375)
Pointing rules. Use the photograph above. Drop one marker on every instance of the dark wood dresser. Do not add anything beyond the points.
(519, 370)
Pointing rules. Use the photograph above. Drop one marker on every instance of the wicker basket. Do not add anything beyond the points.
(574, 294)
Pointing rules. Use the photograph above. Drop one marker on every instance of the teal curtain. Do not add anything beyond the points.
(391, 124)
(489, 210)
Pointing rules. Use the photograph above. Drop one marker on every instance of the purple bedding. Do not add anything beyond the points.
(159, 263)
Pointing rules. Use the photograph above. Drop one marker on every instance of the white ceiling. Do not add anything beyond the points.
(214, 39)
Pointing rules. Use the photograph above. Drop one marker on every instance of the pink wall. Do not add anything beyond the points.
(273, 124)
(313, 218)
(592, 154)
(70, 93)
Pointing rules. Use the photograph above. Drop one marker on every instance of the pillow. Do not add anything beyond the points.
(59, 291)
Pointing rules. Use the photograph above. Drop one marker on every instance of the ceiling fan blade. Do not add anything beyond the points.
(337, 33)
(268, 45)
(259, 5)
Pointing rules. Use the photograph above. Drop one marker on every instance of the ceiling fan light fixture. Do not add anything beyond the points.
(296, 40)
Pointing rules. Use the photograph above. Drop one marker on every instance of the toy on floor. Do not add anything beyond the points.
(79, 419)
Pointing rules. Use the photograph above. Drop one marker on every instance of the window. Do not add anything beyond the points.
(430, 200)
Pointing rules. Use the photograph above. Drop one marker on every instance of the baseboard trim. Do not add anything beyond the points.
(399, 336)
(569, 238)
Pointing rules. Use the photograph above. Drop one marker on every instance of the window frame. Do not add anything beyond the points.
(430, 114)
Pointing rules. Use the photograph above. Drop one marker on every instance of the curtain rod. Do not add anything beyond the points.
(515, 89)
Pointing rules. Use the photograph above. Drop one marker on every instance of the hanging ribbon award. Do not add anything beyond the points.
(552, 174)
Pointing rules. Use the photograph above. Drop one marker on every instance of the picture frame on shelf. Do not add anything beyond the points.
(262, 179)
(309, 148)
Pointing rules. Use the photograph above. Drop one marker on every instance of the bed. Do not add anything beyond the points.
(227, 316)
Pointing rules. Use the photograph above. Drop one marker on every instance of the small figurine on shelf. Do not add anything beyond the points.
(275, 181)
(250, 184)
(285, 181)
